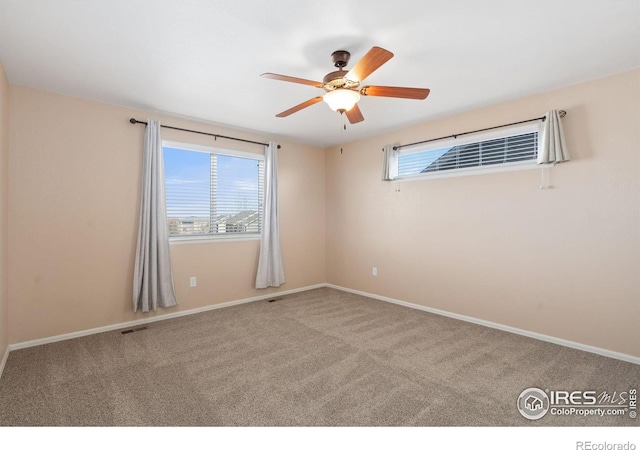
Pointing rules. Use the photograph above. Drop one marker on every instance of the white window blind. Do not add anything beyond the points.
(212, 192)
(515, 146)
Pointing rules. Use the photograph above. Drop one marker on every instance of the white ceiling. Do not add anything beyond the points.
(202, 58)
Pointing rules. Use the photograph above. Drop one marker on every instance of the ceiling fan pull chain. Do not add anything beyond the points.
(342, 129)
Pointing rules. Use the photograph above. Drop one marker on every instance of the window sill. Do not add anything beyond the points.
(211, 239)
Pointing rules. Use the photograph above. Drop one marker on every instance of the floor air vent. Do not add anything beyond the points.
(131, 330)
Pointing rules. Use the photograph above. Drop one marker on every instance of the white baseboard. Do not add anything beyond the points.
(4, 360)
(486, 323)
(135, 323)
(497, 326)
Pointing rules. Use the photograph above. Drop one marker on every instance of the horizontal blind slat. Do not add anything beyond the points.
(210, 194)
(476, 154)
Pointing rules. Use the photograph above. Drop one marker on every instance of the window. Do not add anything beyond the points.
(212, 193)
(507, 149)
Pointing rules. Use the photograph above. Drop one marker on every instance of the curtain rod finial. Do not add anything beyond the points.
(562, 113)
(132, 120)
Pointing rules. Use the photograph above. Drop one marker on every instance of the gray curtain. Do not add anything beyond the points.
(552, 147)
(389, 164)
(270, 268)
(152, 279)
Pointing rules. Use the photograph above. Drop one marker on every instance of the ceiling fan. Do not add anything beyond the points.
(342, 88)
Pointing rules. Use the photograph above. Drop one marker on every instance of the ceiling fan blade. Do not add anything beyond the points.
(355, 115)
(398, 92)
(275, 76)
(297, 108)
(369, 63)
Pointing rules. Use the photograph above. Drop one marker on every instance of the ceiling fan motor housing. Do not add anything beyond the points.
(336, 79)
(340, 58)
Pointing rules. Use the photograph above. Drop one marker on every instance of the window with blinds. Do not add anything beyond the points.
(212, 192)
(515, 147)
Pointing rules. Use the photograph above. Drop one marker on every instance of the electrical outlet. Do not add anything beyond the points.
(193, 282)
(374, 271)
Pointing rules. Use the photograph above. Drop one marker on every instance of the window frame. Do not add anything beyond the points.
(471, 139)
(217, 237)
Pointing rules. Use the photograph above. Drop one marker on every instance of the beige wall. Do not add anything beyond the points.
(73, 217)
(4, 184)
(564, 261)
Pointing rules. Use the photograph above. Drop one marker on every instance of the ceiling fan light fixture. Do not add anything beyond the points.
(341, 99)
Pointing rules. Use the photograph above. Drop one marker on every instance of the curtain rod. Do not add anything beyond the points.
(216, 136)
(561, 113)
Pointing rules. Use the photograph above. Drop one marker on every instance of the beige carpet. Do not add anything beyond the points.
(322, 357)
